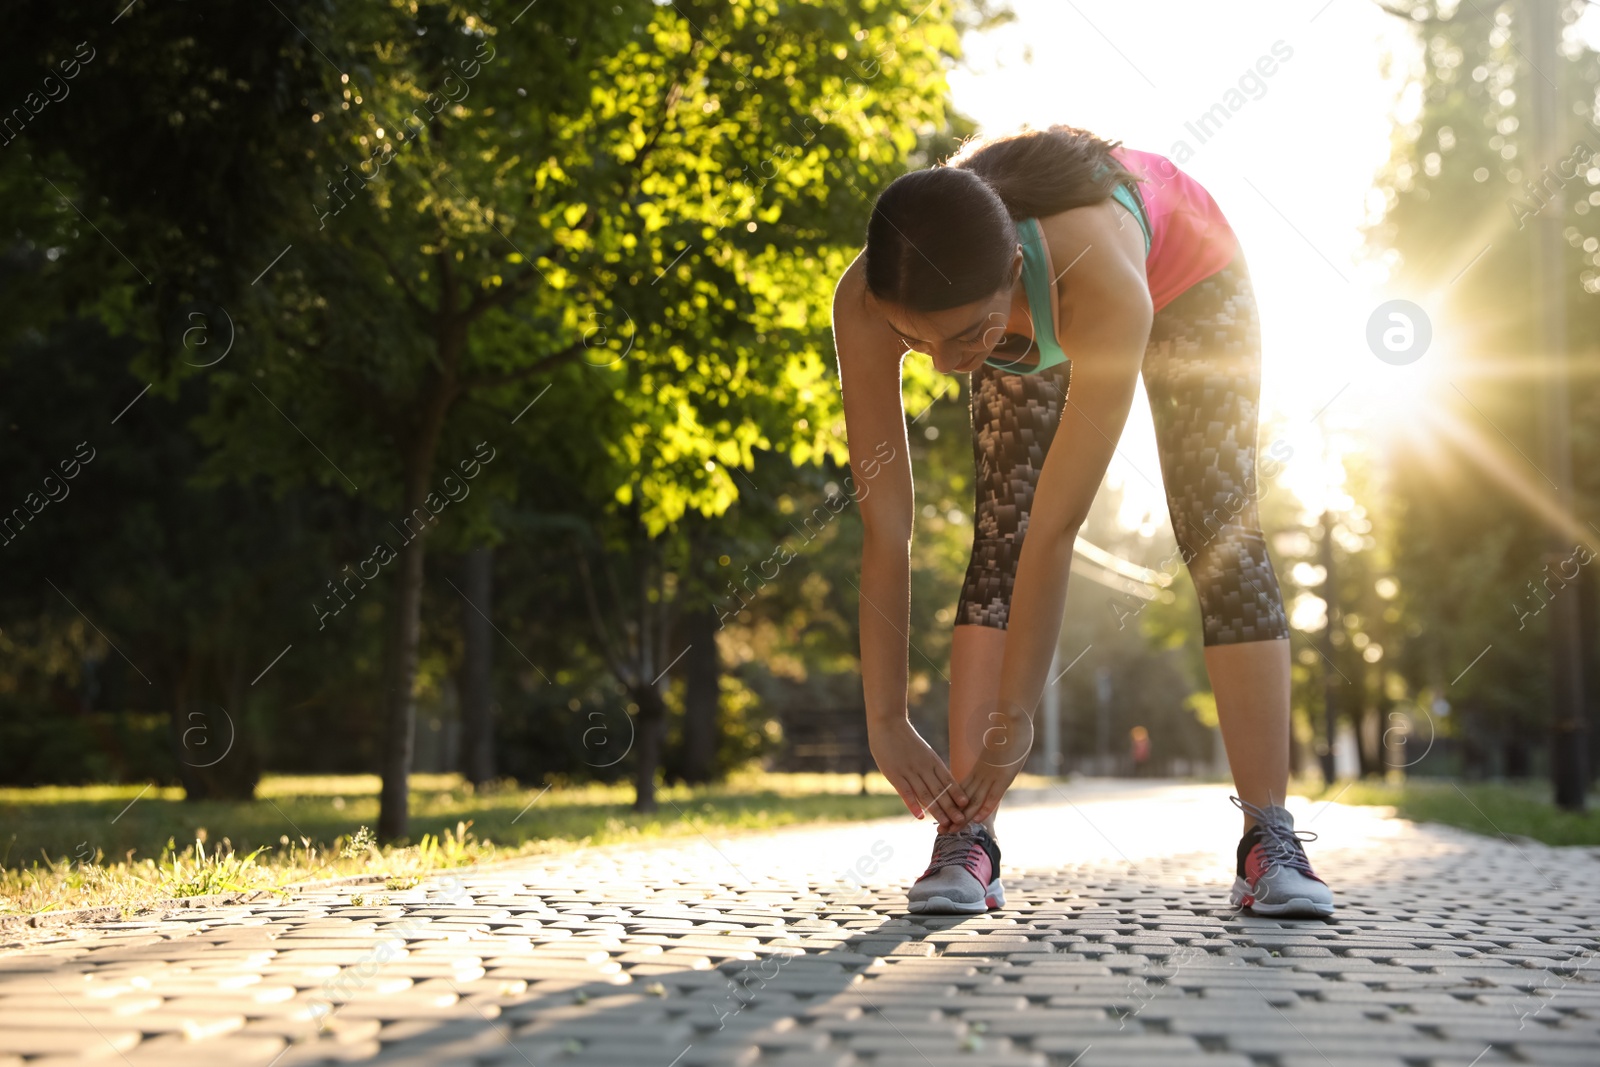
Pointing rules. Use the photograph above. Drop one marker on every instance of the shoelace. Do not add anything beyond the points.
(1280, 843)
(952, 849)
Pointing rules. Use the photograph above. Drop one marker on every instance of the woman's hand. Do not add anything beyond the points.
(916, 772)
(1005, 747)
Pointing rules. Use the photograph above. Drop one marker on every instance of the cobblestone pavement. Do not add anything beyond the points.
(1116, 949)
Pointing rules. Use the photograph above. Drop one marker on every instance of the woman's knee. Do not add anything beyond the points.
(1240, 599)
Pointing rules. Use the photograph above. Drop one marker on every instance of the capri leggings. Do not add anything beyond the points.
(1202, 372)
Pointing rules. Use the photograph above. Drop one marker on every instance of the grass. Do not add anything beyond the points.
(1514, 809)
(91, 846)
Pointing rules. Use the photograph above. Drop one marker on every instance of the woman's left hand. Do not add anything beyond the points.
(1005, 747)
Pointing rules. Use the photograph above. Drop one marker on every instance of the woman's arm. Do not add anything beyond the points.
(869, 371)
(1105, 316)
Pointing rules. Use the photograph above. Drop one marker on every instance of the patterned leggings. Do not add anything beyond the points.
(1202, 371)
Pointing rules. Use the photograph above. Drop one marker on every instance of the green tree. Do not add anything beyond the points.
(142, 166)
(641, 206)
(1467, 510)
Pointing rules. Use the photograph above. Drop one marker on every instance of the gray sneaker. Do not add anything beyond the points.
(963, 878)
(1274, 877)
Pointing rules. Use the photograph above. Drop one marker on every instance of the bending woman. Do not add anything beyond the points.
(1032, 262)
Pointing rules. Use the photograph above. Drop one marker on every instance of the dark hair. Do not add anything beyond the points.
(945, 236)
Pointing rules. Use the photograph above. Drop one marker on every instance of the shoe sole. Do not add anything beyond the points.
(1293, 908)
(993, 897)
(1298, 908)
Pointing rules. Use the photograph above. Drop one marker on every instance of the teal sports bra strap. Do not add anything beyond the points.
(1039, 286)
(1126, 198)
(1131, 200)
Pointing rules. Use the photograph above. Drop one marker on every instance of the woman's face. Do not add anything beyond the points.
(957, 339)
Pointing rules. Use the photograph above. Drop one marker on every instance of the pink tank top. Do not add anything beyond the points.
(1190, 240)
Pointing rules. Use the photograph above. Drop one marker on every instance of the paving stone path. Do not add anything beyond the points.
(1116, 949)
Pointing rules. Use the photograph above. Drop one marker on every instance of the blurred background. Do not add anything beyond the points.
(448, 387)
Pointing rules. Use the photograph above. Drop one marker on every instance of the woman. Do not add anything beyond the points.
(1002, 263)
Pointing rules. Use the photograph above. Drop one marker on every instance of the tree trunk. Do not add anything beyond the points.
(405, 627)
(477, 715)
(1369, 742)
(242, 766)
(419, 444)
(702, 684)
(651, 722)
(400, 706)
(213, 745)
(1475, 761)
(1588, 593)
(1325, 645)
(194, 786)
(1518, 761)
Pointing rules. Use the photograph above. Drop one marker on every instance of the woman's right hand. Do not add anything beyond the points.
(917, 773)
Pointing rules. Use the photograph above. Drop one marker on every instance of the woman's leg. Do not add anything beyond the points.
(1251, 683)
(1014, 419)
(976, 653)
(1203, 374)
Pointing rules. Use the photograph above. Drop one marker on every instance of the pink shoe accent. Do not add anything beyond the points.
(975, 860)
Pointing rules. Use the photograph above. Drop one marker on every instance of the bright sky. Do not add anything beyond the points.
(1292, 169)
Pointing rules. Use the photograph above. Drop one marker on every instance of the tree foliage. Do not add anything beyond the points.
(1468, 518)
(396, 280)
